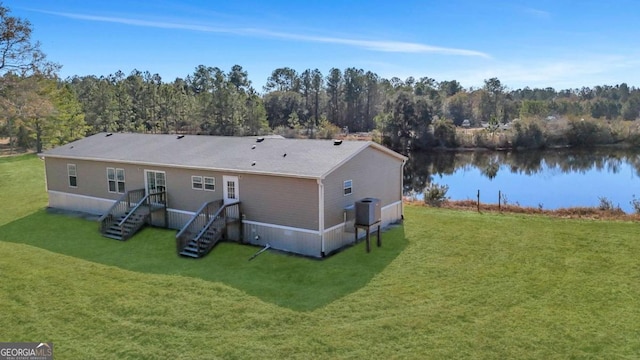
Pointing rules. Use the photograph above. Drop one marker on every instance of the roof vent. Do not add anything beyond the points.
(284, 155)
(337, 142)
(108, 134)
(253, 163)
(179, 137)
(253, 147)
(260, 139)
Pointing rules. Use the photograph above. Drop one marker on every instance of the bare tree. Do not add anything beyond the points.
(17, 52)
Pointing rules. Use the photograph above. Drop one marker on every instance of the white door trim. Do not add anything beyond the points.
(230, 192)
(146, 179)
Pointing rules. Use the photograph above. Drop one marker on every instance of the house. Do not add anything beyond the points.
(292, 194)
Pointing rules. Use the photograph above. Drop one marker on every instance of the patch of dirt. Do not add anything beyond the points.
(5, 149)
(71, 213)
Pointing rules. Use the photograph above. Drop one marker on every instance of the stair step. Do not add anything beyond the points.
(189, 254)
(203, 244)
(125, 231)
(202, 240)
(190, 247)
(209, 237)
(112, 236)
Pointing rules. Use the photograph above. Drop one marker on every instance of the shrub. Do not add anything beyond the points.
(492, 140)
(528, 134)
(635, 202)
(605, 204)
(445, 132)
(435, 195)
(327, 130)
(588, 133)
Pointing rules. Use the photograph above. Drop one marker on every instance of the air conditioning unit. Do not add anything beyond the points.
(368, 211)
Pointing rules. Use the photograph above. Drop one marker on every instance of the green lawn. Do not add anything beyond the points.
(448, 284)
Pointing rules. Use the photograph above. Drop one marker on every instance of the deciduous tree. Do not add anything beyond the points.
(18, 53)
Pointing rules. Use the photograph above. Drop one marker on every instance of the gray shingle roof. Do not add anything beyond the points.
(304, 158)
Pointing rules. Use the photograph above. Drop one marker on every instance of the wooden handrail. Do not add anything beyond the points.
(115, 204)
(210, 222)
(186, 234)
(197, 214)
(127, 206)
(120, 207)
(144, 201)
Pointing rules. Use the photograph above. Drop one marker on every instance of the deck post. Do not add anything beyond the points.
(368, 239)
(367, 228)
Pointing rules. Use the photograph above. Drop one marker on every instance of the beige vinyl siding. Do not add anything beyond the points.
(92, 177)
(92, 181)
(267, 199)
(181, 194)
(374, 174)
(280, 200)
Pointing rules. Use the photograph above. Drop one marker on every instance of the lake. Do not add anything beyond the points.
(550, 179)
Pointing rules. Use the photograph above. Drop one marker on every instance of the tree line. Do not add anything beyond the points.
(38, 109)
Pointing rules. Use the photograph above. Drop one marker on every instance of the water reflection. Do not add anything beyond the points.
(601, 172)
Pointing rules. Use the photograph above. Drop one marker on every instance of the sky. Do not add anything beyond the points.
(561, 44)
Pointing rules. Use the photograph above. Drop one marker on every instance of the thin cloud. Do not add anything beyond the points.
(565, 73)
(538, 13)
(373, 45)
(383, 46)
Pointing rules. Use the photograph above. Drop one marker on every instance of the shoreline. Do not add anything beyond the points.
(583, 213)
(621, 145)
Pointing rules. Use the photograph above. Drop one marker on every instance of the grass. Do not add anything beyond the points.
(22, 189)
(449, 284)
(290, 281)
(612, 213)
(302, 284)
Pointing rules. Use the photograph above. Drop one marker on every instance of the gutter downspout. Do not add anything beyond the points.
(402, 189)
(321, 215)
(46, 183)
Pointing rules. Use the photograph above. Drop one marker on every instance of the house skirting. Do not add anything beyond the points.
(341, 235)
(296, 240)
(99, 206)
(82, 203)
(309, 242)
(176, 219)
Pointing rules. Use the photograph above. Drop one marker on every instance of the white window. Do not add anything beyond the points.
(120, 179)
(348, 187)
(210, 183)
(115, 179)
(196, 182)
(231, 190)
(73, 175)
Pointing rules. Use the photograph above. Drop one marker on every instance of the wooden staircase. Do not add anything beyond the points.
(199, 247)
(130, 213)
(126, 225)
(206, 228)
